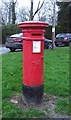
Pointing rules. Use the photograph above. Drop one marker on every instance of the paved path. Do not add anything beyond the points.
(4, 50)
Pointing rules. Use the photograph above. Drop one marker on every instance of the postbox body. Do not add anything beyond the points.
(33, 58)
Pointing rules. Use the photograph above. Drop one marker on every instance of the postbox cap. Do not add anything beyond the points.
(33, 24)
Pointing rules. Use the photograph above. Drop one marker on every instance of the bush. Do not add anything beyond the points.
(8, 30)
(48, 32)
(0, 34)
(58, 29)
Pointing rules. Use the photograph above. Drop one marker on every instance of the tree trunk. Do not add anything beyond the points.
(13, 13)
(53, 26)
(31, 12)
(9, 14)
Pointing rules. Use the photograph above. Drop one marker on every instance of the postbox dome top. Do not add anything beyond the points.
(33, 24)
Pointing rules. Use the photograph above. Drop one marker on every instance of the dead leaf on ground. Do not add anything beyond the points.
(14, 101)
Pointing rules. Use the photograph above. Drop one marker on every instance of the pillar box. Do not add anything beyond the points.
(33, 58)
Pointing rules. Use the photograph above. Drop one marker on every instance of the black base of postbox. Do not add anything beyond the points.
(33, 94)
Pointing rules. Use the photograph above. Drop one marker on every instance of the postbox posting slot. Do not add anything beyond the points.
(36, 34)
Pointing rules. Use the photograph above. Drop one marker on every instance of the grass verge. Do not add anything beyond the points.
(56, 80)
(62, 106)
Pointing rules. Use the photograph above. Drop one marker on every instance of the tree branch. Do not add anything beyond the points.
(6, 4)
(38, 8)
(15, 2)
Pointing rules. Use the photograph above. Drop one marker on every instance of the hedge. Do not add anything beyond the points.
(10, 29)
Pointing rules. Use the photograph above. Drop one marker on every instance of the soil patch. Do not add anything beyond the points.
(47, 106)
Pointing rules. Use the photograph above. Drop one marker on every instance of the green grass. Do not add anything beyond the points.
(56, 71)
(0, 86)
(11, 111)
(12, 73)
(56, 79)
(62, 106)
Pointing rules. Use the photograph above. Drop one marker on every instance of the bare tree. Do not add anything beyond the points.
(36, 11)
(43, 14)
(46, 13)
(13, 11)
(3, 14)
(28, 14)
(23, 14)
(31, 11)
(7, 7)
(8, 13)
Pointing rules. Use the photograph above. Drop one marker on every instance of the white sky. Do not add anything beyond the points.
(26, 3)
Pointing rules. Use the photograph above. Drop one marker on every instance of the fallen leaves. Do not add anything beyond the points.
(14, 101)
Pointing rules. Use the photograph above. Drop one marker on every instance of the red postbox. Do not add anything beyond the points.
(33, 56)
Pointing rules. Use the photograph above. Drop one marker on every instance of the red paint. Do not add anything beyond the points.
(33, 62)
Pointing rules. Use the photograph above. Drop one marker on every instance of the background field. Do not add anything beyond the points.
(56, 81)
